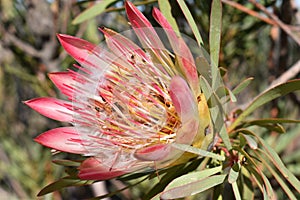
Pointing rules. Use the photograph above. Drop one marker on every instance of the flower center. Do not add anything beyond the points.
(132, 108)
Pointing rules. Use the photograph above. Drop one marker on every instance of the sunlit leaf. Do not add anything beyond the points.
(251, 142)
(193, 188)
(215, 31)
(198, 151)
(193, 176)
(170, 174)
(236, 191)
(93, 11)
(233, 173)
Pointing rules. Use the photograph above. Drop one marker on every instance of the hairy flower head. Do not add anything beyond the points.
(128, 104)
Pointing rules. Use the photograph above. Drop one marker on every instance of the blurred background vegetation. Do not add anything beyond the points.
(251, 47)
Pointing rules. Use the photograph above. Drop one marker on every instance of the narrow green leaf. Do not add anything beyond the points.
(231, 95)
(240, 87)
(203, 68)
(93, 11)
(269, 189)
(269, 121)
(265, 194)
(281, 182)
(62, 183)
(279, 165)
(128, 177)
(191, 21)
(247, 188)
(217, 112)
(236, 191)
(165, 8)
(251, 142)
(193, 188)
(233, 173)
(270, 124)
(192, 177)
(198, 151)
(265, 97)
(215, 31)
(170, 174)
(256, 176)
(225, 91)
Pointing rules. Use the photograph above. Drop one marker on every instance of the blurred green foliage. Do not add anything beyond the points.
(29, 50)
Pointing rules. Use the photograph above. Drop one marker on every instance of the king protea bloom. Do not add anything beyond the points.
(127, 104)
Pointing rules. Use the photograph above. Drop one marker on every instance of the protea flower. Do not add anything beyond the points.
(127, 105)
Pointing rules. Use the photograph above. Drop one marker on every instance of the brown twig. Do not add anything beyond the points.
(287, 75)
(273, 19)
(249, 11)
(278, 22)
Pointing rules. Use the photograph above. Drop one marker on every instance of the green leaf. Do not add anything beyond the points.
(251, 142)
(273, 120)
(217, 112)
(265, 97)
(271, 154)
(198, 151)
(193, 176)
(62, 183)
(215, 31)
(93, 11)
(193, 187)
(236, 191)
(191, 21)
(240, 87)
(233, 173)
(132, 176)
(269, 189)
(204, 68)
(225, 91)
(165, 8)
(247, 190)
(170, 174)
(281, 182)
(265, 194)
(270, 123)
